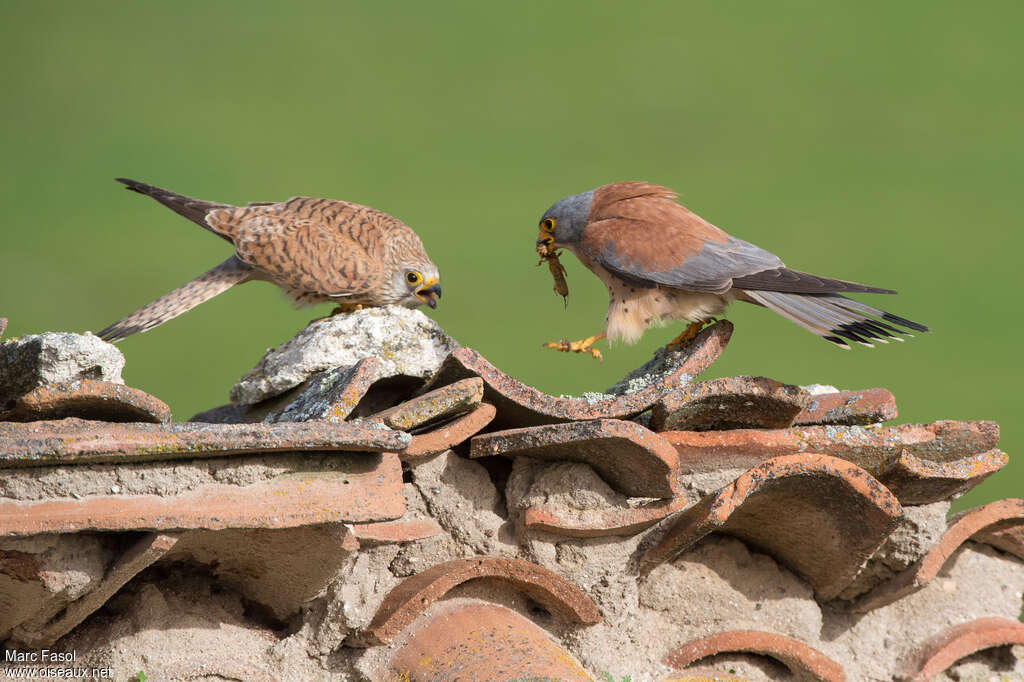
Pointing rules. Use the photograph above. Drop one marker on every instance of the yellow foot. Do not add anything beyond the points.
(347, 308)
(689, 334)
(583, 346)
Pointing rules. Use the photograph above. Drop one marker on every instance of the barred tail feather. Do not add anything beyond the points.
(184, 298)
(195, 210)
(836, 318)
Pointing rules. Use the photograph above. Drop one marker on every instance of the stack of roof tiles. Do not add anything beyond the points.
(511, 534)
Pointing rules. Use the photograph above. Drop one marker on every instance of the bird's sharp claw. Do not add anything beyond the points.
(584, 346)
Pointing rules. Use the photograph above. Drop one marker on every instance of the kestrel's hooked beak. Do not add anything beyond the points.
(426, 293)
(545, 243)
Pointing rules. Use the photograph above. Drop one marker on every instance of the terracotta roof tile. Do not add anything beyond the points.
(866, 446)
(73, 441)
(448, 436)
(805, 662)
(88, 399)
(370, 490)
(411, 597)
(794, 507)
(921, 481)
(452, 399)
(729, 403)
(399, 530)
(521, 405)
(868, 406)
(631, 458)
(1009, 539)
(329, 396)
(984, 520)
(962, 640)
(588, 523)
(477, 641)
(148, 549)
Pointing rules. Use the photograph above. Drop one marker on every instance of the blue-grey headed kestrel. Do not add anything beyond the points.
(662, 262)
(315, 250)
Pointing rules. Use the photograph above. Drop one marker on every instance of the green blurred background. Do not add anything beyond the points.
(873, 141)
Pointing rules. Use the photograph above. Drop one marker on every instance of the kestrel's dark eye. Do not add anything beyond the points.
(413, 277)
(548, 224)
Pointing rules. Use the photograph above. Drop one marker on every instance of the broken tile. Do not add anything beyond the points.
(921, 481)
(72, 441)
(464, 640)
(958, 641)
(414, 595)
(329, 396)
(631, 458)
(869, 406)
(794, 507)
(1009, 539)
(729, 403)
(368, 489)
(590, 523)
(521, 405)
(147, 550)
(448, 436)
(280, 569)
(982, 521)
(88, 399)
(399, 530)
(452, 399)
(866, 446)
(805, 662)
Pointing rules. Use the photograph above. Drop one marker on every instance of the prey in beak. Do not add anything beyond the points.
(545, 244)
(428, 291)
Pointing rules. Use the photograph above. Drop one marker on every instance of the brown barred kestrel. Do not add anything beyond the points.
(316, 250)
(662, 262)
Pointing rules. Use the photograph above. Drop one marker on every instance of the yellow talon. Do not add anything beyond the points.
(689, 334)
(583, 346)
(347, 308)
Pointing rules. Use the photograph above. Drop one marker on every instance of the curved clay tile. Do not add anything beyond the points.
(729, 403)
(796, 508)
(589, 523)
(88, 399)
(521, 405)
(631, 458)
(433, 406)
(849, 408)
(947, 648)
(462, 640)
(451, 434)
(803, 661)
(328, 396)
(412, 596)
(868, 447)
(985, 520)
(921, 481)
(81, 441)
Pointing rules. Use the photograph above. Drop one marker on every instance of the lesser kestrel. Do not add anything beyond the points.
(662, 262)
(316, 250)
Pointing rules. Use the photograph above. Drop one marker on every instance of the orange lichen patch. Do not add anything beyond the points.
(399, 530)
(73, 441)
(729, 403)
(631, 458)
(794, 508)
(920, 481)
(144, 552)
(984, 521)
(88, 399)
(456, 398)
(869, 447)
(521, 405)
(369, 490)
(869, 406)
(805, 662)
(589, 523)
(448, 436)
(963, 640)
(476, 641)
(411, 597)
